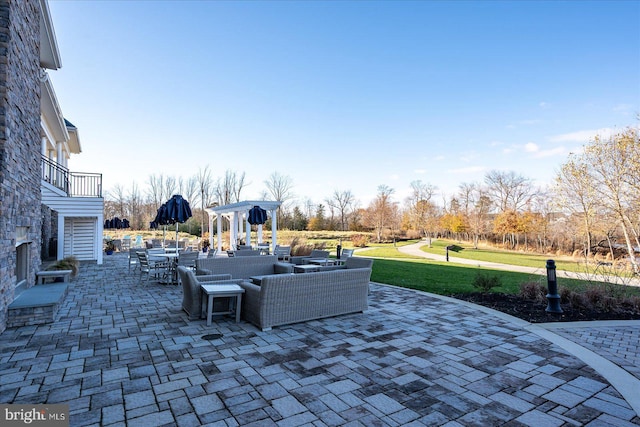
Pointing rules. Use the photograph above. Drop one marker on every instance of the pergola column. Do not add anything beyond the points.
(247, 228)
(274, 230)
(219, 232)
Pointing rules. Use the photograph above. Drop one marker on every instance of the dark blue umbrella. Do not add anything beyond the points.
(178, 209)
(116, 223)
(175, 210)
(162, 216)
(257, 215)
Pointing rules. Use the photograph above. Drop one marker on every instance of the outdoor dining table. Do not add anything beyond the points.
(172, 260)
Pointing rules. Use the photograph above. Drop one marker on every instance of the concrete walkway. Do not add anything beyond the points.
(122, 353)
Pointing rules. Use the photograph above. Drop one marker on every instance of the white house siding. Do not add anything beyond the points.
(80, 216)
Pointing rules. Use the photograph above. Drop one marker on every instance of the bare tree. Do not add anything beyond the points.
(204, 184)
(170, 188)
(381, 211)
(420, 206)
(156, 190)
(118, 196)
(612, 163)
(280, 187)
(341, 201)
(135, 207)
(475, 205)
(508, 190)
(229, 187)
(575, 192)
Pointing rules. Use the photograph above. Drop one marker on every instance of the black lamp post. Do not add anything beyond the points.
(553, 305)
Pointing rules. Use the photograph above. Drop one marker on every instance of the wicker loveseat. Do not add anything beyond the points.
(243, 267)
(282, 299)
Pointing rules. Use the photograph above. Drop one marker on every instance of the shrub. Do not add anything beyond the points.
(68, 263)
(485, 283)
(565, 294)
(594, 295)
(360, 240)
(578, 300)
(531, 290)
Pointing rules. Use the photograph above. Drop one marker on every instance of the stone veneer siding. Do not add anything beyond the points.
(20, 144)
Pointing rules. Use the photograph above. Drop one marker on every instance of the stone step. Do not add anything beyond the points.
(36, 305)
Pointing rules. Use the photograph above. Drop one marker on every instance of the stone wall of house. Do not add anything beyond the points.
(19, 140)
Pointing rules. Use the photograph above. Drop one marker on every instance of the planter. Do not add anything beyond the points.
(109, 252)
(204, 250)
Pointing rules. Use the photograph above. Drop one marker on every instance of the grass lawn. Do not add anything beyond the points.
(445, 278)
(463, 250)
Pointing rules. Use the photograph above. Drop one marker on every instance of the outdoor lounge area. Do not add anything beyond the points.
(125, 353)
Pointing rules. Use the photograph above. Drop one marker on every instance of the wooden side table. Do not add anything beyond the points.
(218, 291)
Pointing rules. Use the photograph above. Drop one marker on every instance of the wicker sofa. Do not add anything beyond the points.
(282, 299)
(315, 253)
(243, 267)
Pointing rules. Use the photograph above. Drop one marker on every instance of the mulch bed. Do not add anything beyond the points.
(534, 311)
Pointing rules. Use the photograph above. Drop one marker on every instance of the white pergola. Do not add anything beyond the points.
(237, 214)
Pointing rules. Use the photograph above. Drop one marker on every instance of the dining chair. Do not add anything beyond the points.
(133, 259)
(187, 259)
(283, 253)
(156, 268)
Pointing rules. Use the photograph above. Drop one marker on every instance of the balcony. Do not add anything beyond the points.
(74, 184)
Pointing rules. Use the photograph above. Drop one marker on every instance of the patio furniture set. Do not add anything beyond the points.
(269, 292)
(160, 263)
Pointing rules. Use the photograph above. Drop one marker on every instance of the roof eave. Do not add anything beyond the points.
(49, 53)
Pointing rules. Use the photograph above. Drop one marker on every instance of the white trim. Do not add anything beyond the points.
(49, 52)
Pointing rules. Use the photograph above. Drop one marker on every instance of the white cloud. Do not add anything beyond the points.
(420, 171)
(582, 135)
(530, 122)
(558, 151)
(468, 156)
(543, 104)
(394, 177)
(508, 150)
(531, 147)
(469, 170)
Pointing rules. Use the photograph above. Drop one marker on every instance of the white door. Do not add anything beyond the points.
(79, 238)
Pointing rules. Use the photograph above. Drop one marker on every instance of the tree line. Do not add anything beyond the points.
(592, 208)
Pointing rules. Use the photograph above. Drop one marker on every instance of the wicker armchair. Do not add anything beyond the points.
(192, 293)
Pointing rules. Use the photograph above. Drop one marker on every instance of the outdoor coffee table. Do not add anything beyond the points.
(306, 268)
(219, 291)
(322, 261)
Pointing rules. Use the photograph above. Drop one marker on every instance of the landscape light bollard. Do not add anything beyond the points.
(553, 298)
(447, 253)
(338, 250)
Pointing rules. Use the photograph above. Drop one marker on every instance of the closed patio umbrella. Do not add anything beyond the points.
(175, 211)
(257, 215)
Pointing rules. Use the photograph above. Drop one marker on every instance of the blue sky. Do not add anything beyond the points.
(343, 95)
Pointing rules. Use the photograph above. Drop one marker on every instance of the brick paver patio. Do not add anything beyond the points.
(122, 353)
